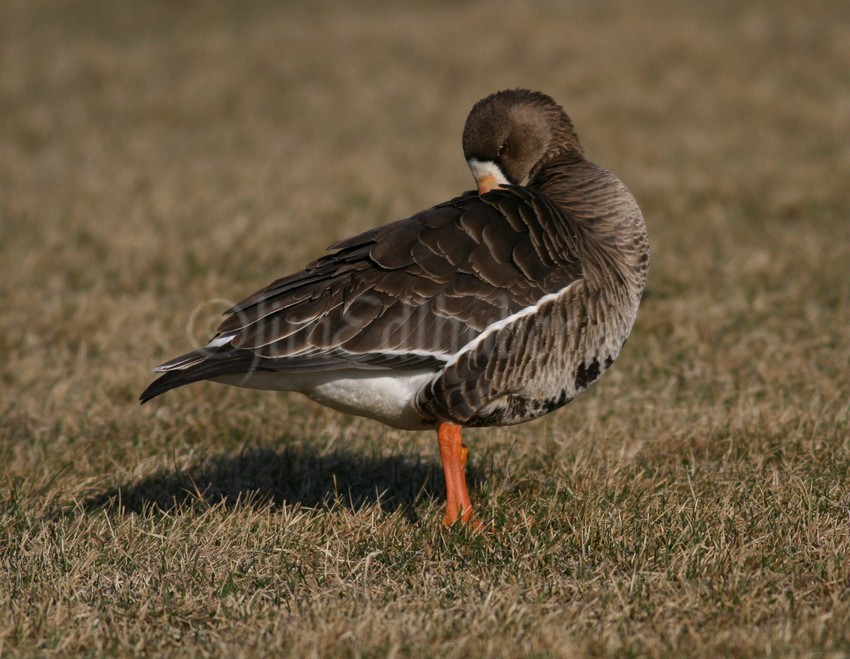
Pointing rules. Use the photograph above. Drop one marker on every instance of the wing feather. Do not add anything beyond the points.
(404, 295)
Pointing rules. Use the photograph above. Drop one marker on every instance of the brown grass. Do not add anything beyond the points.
(160, 159)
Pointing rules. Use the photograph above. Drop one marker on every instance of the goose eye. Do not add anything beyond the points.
(503, 148)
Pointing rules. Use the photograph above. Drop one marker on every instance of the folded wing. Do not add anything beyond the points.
(408, 295)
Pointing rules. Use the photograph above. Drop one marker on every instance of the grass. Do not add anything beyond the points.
(162, 159)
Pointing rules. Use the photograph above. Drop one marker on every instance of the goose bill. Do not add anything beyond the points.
(487, 175)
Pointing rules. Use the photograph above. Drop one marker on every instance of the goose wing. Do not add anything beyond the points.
(410, 294)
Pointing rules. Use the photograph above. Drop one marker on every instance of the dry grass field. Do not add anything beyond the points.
(161, 159)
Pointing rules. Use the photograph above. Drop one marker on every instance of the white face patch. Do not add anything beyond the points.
(487, 174)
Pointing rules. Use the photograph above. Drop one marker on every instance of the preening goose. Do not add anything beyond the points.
(493, 308)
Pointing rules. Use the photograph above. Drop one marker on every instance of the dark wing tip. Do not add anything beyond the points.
(165, 382)
(176, 372)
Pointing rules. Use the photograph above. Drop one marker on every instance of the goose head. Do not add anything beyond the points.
(510, 135)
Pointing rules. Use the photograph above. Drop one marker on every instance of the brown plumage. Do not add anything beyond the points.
(493, 308)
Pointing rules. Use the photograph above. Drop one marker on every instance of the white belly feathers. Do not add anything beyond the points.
(386, 396)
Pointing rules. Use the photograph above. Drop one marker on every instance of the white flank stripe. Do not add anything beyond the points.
(224, 339)
(219, 341)
(442, 356)
(500, 324)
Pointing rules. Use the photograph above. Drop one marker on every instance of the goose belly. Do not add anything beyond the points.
(386, 396)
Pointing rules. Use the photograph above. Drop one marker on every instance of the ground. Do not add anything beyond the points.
(163, 159)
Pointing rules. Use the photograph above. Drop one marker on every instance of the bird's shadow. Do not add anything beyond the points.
(293, 475)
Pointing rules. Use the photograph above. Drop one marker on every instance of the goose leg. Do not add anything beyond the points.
(453, 455)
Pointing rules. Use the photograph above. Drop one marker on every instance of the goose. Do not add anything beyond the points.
(494, 308)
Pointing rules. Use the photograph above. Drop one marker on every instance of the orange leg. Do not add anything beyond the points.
(453, 454)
